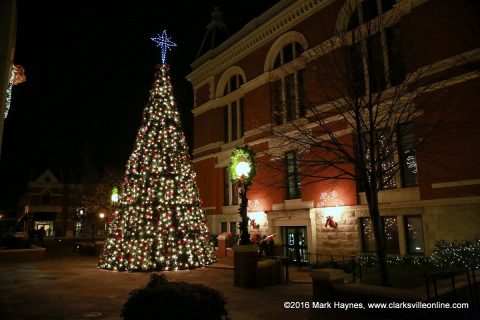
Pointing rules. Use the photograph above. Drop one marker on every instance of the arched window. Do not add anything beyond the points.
(233, 84)
(376, 60)
(288, 53)
(233, 110)
(288, 90)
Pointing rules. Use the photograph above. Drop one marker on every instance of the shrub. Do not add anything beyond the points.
(457, 255)
(371, 260)
(174, 300)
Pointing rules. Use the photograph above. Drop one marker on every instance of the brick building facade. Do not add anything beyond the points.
(237, 89)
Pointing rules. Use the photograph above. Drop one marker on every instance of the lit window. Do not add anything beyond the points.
(414, 234)
(390, 234)
(384, 155)
(408, 159)
(368, 238)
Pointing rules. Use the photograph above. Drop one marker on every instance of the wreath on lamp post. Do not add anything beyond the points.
(240, 156)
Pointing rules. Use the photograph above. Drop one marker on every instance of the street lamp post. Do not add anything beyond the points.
(242, 170)
(114, 200)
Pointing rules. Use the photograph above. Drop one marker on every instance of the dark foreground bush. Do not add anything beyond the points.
(161, 299)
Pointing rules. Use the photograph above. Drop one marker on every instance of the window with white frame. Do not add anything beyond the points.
(390, 234)
(414, 234)
(230, 196)
(288, 90)
(292, 175)
(233, 111)
(376, 59)
(391, 145)
(413, 228)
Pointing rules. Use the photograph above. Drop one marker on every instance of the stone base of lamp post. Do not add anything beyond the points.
(245, 265)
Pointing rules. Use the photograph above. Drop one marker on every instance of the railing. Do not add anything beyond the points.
(432, 279)
(351, 264)
(348, 263)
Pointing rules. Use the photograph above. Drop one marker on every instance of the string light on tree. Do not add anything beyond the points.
(158, 223)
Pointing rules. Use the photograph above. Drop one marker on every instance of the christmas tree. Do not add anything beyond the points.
(158, 223)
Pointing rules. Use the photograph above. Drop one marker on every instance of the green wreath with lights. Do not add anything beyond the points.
(243, 153)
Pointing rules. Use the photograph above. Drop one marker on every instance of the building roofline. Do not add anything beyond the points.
(246, 30)
(275, 21)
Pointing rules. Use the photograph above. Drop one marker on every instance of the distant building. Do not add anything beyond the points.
(51, 204)
(57, 206)
(261, 76)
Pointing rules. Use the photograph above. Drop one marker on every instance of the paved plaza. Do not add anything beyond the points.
(66, 285)
(70, 286)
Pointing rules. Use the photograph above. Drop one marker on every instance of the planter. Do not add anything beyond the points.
(245, 265)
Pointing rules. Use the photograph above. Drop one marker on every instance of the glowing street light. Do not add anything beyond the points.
(114, 196)
(101, 215)
(242, 169)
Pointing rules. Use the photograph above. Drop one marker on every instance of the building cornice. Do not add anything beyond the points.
(255, 34)
(322, 49)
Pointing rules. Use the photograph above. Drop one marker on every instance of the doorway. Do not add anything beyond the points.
(296, 246)
(47, 225)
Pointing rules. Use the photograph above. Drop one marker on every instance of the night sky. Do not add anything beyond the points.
(89, 67)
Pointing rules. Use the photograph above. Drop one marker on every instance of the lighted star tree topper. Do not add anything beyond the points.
(164, 42)
(158, 223)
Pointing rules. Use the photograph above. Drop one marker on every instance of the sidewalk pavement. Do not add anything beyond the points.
(68, 286)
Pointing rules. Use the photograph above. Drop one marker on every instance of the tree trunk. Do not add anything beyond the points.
(379, 238)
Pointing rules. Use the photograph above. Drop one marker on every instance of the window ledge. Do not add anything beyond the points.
(230, 209)
(232, 144)
(393, 195)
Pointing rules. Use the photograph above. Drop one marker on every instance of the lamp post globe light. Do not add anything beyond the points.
(114, 197)
(242, 169)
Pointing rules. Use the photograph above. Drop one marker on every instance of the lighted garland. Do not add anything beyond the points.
(243, 153)
(445, 256)
(9, 95)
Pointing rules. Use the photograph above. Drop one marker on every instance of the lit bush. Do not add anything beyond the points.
(457, 255)
(371, 260)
